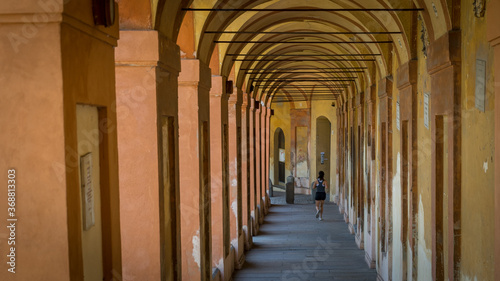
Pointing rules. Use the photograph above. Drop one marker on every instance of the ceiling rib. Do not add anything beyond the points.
(303, 55)
(304, 33)
(306, 42)
(299, 60)
(308, 68)
(304, 10)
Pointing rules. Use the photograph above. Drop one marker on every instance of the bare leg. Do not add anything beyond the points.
(321, 208)
(317, 207)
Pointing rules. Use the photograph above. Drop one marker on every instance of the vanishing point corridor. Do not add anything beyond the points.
(293, 245)
(184, 140)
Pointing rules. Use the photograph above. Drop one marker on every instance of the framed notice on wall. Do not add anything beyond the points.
(426, 110)
(282, 155)
(87, 191)
(480, 90)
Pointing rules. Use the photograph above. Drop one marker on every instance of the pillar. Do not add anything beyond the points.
(259, 160)
(218, 121)
(194, 169)
(253, 168)
(444, 66)
(407, 86)
(268, 155)
(493, 34)
(263, 160)
(234, 112)
(370, 242)
(50, 68)
(245, 173)
(385, 192)
(142, 78)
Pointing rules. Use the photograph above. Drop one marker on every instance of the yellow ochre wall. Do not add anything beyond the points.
(325, 109)
(478, 134)
(281, 119)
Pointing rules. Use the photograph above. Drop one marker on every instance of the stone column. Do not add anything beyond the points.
(234, 111)
(49, 68)
(194, 169)
(218, 119)
(370, 244)
(385, 192)
(268, 156)
(142, 75)
(493, 34)
(444, 66)
(245, 173)
(359, 181)
(407, 86)
(264, 180)
(253, 169)
(258, 154)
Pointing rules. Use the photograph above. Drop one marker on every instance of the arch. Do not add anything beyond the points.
(279, 156)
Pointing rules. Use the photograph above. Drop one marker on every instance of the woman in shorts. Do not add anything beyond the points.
(321, 186)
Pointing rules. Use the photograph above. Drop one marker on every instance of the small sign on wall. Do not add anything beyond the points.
(426, 110)
(397, 116)
(282, 155)
(480, 84)
(88, 218)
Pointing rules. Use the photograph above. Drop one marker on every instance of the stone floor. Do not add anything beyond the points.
(293, 245)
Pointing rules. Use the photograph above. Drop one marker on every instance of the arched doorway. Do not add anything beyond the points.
(323, 142)
(279, 155)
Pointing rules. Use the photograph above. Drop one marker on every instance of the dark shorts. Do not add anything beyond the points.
(320, 196)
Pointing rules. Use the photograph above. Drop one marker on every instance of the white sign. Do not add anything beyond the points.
(426, 110)
(87, 191)
(397, 116)
(480, 84)
(282, 155)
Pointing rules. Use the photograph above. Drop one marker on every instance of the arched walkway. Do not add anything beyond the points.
(293, 245)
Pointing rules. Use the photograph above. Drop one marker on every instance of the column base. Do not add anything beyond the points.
(359, 241)
(369, 261)
(351, 228)
(216, 276)
(248, 241)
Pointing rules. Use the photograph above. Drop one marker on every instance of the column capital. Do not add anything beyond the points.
(385, 87)
(147, 48)
(195, 73)
(218, 87)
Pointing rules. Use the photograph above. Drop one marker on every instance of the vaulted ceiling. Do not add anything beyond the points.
(302, 49)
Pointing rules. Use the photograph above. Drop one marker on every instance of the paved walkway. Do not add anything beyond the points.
(293, 245)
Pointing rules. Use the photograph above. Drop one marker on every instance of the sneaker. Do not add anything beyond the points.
(320, 219)
(317, 213)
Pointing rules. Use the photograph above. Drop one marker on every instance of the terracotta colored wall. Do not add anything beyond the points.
(32, 84)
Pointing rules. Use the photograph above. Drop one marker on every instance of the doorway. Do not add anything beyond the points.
(323, 142)
(279, 155)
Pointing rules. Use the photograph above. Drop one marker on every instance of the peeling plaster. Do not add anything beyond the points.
(220, 265)
(485, 166)
(234, 207)
(397, 247)
(467, 278)
(196, 248)
(234, 182)
(424, 254)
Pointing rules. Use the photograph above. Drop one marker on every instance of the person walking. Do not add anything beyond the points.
(321, 186)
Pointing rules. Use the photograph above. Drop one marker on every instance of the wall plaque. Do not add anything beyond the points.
(87, 191)
(282, 155)
(480, 84)
(426, 110)
(397, 116)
